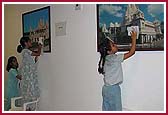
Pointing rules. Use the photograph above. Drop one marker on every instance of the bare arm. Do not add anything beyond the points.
(133, 46)
(38, 51)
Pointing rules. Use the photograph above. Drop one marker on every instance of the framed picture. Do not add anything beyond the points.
(36, 25)
(113, 21)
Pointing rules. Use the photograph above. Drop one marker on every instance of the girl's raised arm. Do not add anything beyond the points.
(133, 46)
(38, 51)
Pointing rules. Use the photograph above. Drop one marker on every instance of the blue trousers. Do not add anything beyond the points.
(111, 98)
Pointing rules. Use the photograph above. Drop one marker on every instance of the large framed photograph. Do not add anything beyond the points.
(36, 25)
(114, 19)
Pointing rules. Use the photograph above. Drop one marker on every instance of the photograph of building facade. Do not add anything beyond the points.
(150, 31)
(41, 33)
(36, 25)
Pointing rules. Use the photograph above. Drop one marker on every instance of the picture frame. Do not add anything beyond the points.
(114, 19)
(36, 26)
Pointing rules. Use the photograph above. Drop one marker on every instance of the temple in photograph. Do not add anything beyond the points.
(148, 31)
(42, 31)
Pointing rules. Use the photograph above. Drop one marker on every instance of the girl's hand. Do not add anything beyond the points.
(19, 77)
(40, 45)
(133, 35)
(38, 51)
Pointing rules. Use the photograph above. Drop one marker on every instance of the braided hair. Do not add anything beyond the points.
(104, 47)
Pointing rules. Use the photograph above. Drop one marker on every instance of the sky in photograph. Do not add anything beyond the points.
(32, 19)
(115, 12)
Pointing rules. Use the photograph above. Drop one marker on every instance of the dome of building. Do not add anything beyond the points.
(111, 24)
(117, 24)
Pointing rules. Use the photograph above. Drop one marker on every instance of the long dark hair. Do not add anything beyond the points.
(104, 47)
(22, 45)
(9, 64)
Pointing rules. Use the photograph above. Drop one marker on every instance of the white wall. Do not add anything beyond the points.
(68, 75)
(143, 87)
(71, 73)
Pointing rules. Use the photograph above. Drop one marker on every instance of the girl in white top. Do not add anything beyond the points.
(110, 67)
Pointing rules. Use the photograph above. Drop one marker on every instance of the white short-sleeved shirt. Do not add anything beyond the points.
(113, 69)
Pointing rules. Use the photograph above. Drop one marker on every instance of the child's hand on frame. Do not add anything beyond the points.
(40, 45)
